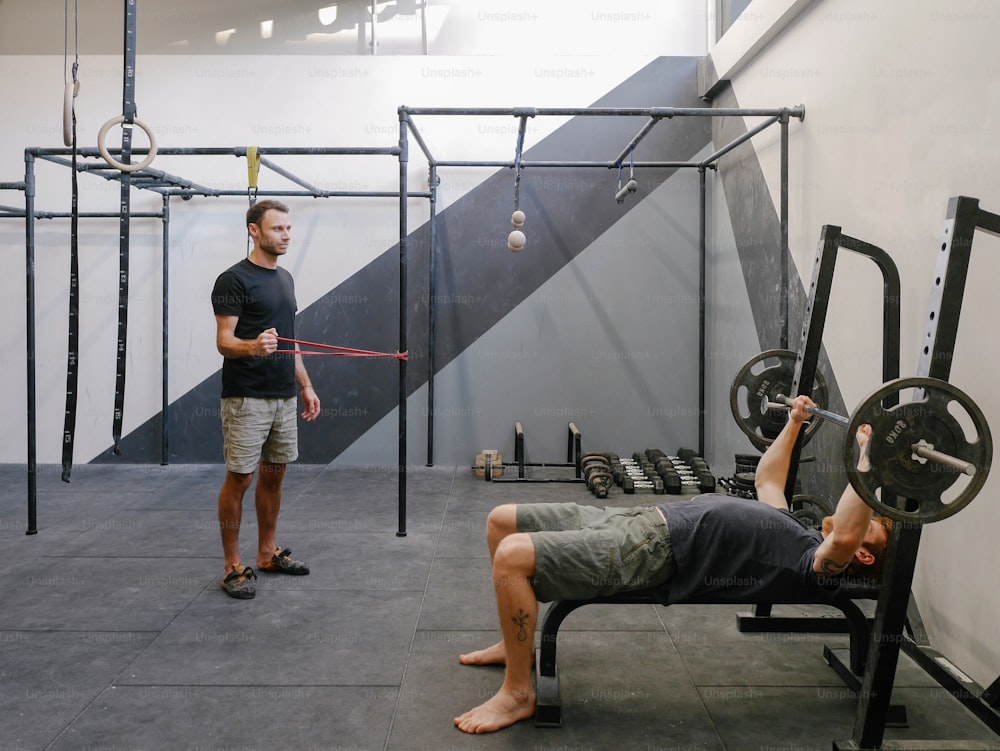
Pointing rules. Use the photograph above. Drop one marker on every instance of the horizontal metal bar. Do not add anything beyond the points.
(989, 222)
(738, 141)
(290, 176)
(84, 215)
(572, 165)
(798, 111)
(239, 151)
(635, 141)
(305, 193)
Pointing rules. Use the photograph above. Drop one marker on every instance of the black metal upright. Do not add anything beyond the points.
(403, 318)
(29, 330)
(936, 357)
(431, 311)
(783, 224)
(832, 239)
(702, 295)
(165, 347)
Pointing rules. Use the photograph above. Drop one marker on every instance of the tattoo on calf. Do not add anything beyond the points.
(520, 620)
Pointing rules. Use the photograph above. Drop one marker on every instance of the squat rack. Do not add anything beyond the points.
(653, 115)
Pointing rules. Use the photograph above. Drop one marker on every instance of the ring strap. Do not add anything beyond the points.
(128, 113)
(73, 344)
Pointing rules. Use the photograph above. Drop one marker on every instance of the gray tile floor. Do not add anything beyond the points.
(114, 633)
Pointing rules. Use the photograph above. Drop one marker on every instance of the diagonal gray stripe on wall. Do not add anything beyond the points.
(566, 209)
(757, 229)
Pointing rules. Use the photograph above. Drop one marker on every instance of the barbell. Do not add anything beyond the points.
(921, 449)
(918, 449)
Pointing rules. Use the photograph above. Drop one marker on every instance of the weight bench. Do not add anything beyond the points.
(548, 712)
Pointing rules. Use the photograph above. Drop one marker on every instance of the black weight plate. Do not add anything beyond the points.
(894, 467)
(773, 379)
(810, 510)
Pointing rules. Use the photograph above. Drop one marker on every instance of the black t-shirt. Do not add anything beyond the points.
(737, 550)
(261, 299)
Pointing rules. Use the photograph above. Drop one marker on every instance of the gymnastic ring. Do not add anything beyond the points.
(72, 89)
(102, 134)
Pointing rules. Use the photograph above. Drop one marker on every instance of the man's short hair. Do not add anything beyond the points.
(256, 212)
(874, 569)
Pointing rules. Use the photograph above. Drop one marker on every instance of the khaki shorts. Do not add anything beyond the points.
(256, 430)
(582, 552)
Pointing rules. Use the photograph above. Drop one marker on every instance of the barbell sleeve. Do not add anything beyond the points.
(939, 457)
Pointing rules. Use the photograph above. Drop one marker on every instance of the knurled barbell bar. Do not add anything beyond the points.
(918, 449)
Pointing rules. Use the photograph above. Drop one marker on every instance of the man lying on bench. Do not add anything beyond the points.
(709, 548)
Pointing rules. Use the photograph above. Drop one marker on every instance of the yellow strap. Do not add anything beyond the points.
(253, 166)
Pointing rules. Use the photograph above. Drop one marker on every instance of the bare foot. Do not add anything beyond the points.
(495, 655)
(503, 710)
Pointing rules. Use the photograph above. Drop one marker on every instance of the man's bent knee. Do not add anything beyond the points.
(515, 555)
(502, 521)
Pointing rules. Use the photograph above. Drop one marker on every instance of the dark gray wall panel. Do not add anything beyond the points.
(757, 232)
(609, 342)
(566, 209)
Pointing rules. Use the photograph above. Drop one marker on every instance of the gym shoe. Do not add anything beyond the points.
(239, 584)
(282, 563)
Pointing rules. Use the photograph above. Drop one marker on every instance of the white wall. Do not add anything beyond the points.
(285, 98)
(901, 114)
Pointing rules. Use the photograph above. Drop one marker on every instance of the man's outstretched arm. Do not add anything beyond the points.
(851, 521)
(772, 470)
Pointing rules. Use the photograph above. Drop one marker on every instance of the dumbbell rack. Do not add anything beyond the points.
(649, 471)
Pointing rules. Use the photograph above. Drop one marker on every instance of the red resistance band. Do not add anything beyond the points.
(335, 351)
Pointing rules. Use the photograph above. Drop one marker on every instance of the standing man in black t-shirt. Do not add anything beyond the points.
(711, 547)
(254, 304)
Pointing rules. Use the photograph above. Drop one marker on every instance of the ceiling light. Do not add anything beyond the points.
(328, 15)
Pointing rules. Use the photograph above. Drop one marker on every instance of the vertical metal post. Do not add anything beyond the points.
(702, 293)
(164, 395)
(431, 313)
(936, 356)
(813, 323)
(401, 466)
(29, 275)
(783, 209)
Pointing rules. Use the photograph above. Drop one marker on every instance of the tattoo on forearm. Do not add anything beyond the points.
(832, 567)
(520, 620)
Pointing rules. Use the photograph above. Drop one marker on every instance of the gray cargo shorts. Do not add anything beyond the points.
(255, 430)
(582, 552)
